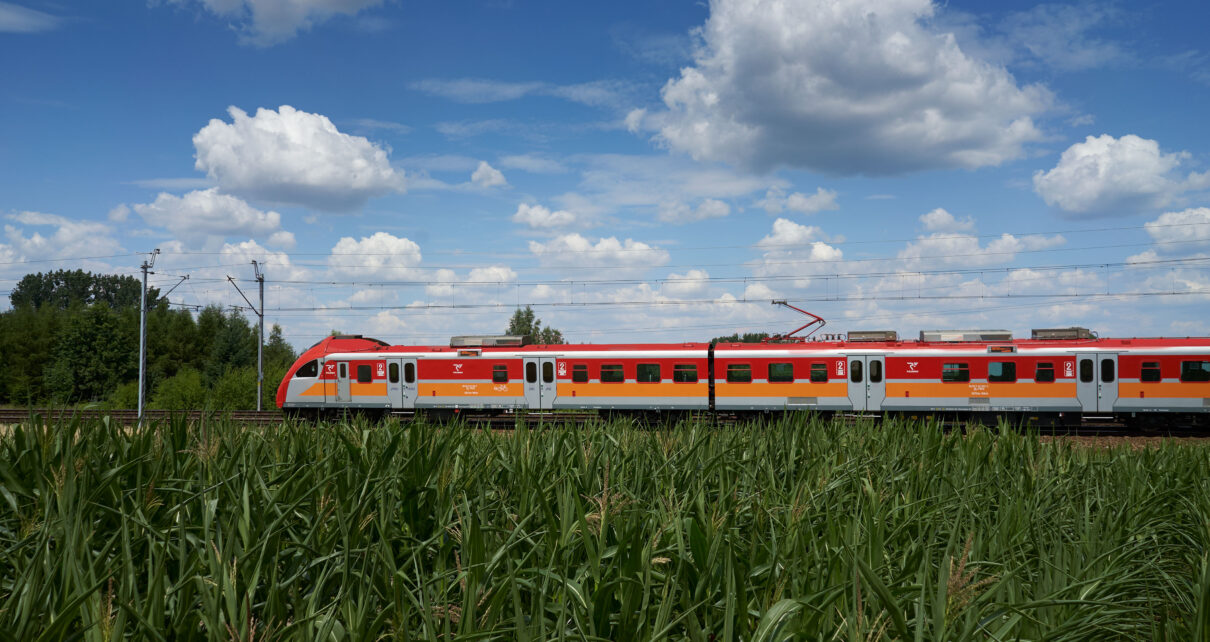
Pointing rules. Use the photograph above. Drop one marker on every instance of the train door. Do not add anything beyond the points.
(1097, 381)
(540, 382)
(342, 382)
(867, 381)
(401, 383)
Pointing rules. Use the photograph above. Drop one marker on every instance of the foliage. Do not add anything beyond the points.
(72, 337)
(798, 529)
(747, 337)
(234, 390)
(525, 323)
(183, 390)
(64, 288)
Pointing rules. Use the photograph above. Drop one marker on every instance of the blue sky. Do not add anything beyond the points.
(638, 171)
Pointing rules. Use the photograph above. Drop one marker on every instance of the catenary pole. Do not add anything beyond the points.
(260, 313)
(147, 265)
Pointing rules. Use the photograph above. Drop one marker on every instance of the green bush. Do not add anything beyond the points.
(182, 391)
(235, 390)
(125, 396)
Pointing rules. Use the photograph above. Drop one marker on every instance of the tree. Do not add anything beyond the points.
(64, 288)
(92, 355)
(747, 337)
(277, 351)
(526, 324)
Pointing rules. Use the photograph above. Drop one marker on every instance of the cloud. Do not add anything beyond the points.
(573, 250)
(1057, 36)
(381, 255)
(1191, 225)
(18, 19)
(276, 264)
(940, 220)
(1107, 176)
(861, 87)
(532, 164)
(776, 201)
(690, 283)
(201, 214)
(295, 157)
(539, 217)
(678, 213)
(487, 176)
(269, 22)
(794, 250)
(478, 90)
(946, 248)
(69, 238)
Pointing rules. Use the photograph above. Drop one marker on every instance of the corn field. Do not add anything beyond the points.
(798, 529)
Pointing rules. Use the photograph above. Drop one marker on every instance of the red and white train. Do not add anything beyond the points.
(1057, 376)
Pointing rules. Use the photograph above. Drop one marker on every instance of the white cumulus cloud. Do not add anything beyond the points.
(295, 157)
(856, 87)
(380, 255)
(539, 217)
(201, 214)
(940, 220)
(1192, 225)
(691, 282)
(678, 212)
(1105, 176)
(487, 176)
(573, 250)
(776, 201)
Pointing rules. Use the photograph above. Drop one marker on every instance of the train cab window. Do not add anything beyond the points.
(344, 371)
(819, 372)
(648, 373)
(876, 371)
(684, 373)
(1002, 371)
(364, 374)
(531, 372)
(855, 373)
(548, 372)
(1195, 371)
(579, 373)
(310, 369)
(739, 373)
(1150, 372)
(393, 373)
(1045, 372)
(500, 373)
(409, 373)
(612, 373)
(1107, 371)
(955, 372)
(1086, 370)
(781, 372)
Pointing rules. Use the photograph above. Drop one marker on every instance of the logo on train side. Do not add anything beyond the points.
(912, 367)
(457, 368)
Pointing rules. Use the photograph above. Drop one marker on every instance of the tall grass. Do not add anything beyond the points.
(801, 529)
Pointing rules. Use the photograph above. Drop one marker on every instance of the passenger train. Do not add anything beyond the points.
(1057, 376)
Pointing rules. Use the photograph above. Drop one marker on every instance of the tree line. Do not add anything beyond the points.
(72, 337)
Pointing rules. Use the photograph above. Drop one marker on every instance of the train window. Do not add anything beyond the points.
(1151, 371)
(531, 372)
(1045, 372)
(500, 373)
(955, 372)
(1107, 371)
(364, 374)
(739, 373)
(579, 373)
(876, 371)
(781, 372)
(648, 373)
(393, 372)
(548, 371)
(1085, 370)
(409, 373)
(855, 373)
(819, 372)
(1195, 371)
(344, 372)
(310, 369)
(684, 373)
(1001, 371)
(612, 373)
